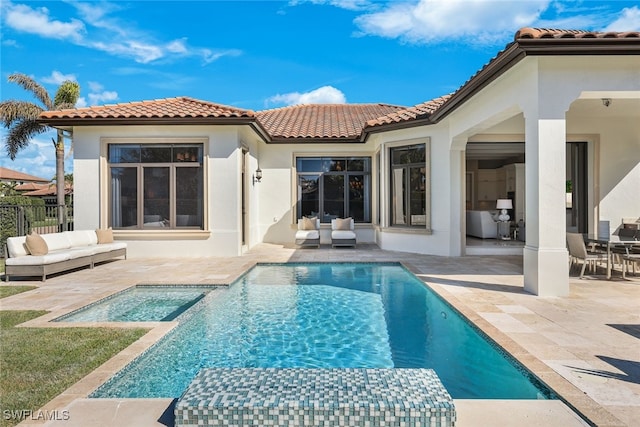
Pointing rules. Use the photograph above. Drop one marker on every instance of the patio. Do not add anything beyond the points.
(584, 346)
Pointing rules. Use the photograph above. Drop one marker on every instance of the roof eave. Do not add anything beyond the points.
(69, 123)
(536, 47)
(317, 140)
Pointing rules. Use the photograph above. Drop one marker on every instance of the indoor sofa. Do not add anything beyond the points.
(481, 224)
(63, 251)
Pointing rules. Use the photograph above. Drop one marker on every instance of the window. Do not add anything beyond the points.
(334, 187)
(156, 186)
(408, 183)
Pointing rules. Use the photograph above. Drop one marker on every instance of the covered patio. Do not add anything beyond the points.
(584, 345)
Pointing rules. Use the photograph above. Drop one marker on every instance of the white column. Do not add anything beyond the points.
(457, 198)
(546, 270)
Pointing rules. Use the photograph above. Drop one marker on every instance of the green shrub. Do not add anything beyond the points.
(17, 213)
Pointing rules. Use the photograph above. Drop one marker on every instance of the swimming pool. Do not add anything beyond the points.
(338, 315)
(139, 304)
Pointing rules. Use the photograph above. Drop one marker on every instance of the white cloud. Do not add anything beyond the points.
(343, 4)
(323, 95)
(473, 21)
(37, 21)
(629, 20)
(97, 96)
(103, 32)
(102, 97)
(57, 78)
(177, 46)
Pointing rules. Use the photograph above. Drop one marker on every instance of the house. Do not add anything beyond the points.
(184, 177)
(13, 177)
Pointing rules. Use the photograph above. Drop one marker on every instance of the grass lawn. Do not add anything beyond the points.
(37, 364)
(7, 291)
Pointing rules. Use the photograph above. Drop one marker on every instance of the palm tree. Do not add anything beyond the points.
(21, 118)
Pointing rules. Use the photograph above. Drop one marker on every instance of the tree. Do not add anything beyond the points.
(21, 118)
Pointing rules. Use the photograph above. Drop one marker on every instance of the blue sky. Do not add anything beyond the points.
(267, 54)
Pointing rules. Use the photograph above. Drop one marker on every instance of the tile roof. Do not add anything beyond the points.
(546, 33)
(49, 190)
(350, 122)
(7, 174)
(180, 107)
(419, 111)
(32, 186)
(321, 121)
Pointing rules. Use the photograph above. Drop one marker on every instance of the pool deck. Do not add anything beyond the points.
(585, 346)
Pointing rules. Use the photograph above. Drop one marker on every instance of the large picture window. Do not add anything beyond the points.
(408, 183)
(156, 186)
(334, 187)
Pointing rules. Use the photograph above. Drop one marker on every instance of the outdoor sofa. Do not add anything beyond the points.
(61, 252)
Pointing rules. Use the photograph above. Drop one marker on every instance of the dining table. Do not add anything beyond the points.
(610, 242)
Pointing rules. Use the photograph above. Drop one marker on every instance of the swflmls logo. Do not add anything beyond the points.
(39, 415)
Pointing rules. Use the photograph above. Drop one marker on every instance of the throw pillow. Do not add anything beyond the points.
(343, 224)
(36, 244)
(105, 235)
(308, 223)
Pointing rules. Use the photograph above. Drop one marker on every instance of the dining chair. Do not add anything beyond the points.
(578, 251)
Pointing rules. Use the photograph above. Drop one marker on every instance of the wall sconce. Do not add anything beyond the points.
(257, 177)
(606, 101)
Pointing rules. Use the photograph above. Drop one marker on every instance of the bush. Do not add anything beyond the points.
(17, 213)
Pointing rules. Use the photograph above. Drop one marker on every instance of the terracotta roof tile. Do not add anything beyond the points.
(7, 174)
(419, 111)
(49, 190)
(181, 107)
(546, 33)
(316, 121)
(31, 186)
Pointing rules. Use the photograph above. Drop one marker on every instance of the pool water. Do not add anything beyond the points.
(139, 304)
(326, 316)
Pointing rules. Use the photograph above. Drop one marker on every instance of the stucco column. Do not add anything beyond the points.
(546, 269)
(457, 240)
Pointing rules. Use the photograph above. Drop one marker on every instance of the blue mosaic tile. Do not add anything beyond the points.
(315, 397)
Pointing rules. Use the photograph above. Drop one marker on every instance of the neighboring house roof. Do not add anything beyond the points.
(31, 186)
(322, 122)
(10, 175)
(48, 190)
(350, 122)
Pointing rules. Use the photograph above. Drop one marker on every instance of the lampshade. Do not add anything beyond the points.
(504, 204)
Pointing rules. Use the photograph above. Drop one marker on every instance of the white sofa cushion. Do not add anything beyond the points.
(80, 252)
(307, 234)
(81, 238)
(343, 234)
(17, 246)
(49, 258)
(106, 247)
(56, 241)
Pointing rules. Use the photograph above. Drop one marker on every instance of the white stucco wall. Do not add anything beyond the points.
(277, 191)
(223, 157)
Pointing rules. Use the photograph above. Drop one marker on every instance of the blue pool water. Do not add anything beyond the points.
(139, 304)
(321, 316)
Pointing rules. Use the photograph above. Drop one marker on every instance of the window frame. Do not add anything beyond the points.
(366, 172)
(173, 165)
(390, 166)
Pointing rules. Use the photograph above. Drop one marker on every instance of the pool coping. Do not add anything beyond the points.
(590, 411)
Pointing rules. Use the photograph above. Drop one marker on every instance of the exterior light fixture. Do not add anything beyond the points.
(606, 101)
(257, 177)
